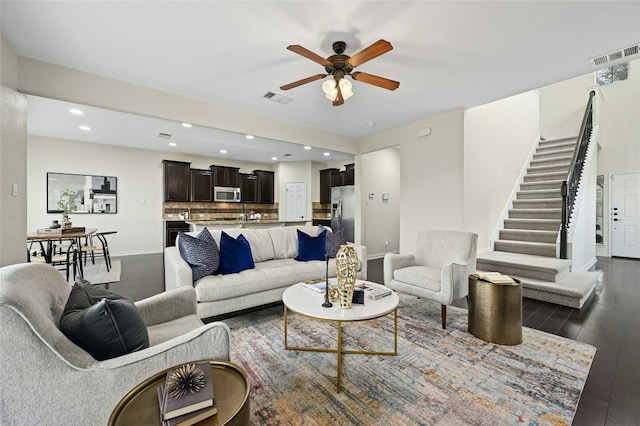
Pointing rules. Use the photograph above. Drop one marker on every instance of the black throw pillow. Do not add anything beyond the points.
(103, 323)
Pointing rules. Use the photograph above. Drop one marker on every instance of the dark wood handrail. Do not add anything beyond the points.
(569, 188)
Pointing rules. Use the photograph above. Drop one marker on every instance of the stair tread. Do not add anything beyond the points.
(530, 231)
(526, 261)
(525, 220)
(525, 243)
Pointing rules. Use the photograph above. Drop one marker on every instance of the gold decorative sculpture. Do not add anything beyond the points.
(347, 263)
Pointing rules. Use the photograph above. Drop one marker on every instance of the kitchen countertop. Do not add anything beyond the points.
(197, 225)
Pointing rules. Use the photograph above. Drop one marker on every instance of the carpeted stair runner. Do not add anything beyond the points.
(527, 246)
(537, 210)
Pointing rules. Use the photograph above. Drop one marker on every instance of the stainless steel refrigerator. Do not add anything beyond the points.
(343, 205)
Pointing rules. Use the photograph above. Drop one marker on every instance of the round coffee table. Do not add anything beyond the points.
(304, 301)
(231, 392)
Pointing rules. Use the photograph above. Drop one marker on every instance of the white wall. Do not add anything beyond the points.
(498, 140)
(140, 188)
(562, 107)
(13, 161)
(431, 174)
(381, 174)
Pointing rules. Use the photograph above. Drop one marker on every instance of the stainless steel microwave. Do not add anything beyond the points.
(225, 194)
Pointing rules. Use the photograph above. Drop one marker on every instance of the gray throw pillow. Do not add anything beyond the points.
(334, 240)
(200, 252)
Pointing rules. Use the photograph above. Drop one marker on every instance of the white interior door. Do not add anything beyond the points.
(625, 215)
(296, 207)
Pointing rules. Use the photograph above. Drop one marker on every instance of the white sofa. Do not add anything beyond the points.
(274, 251)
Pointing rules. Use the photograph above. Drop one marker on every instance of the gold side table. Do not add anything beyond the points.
(495, 311)
(231, 392)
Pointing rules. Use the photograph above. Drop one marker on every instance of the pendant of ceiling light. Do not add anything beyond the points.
(330, 87)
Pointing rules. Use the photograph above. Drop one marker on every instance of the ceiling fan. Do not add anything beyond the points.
(339, 66)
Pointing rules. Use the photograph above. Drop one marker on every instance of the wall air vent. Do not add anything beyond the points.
(626, 54)
(281, 99)
(164, 135)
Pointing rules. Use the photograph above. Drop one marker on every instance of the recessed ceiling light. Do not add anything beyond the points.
(186, 125)
(223, 151)
(76, 111)
(326, 154)
(307, 147)
(249, 136)
(85, 128)
(274, 158)
(172, 144)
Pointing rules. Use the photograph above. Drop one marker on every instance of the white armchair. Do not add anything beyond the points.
(47, 379)
(438, 269)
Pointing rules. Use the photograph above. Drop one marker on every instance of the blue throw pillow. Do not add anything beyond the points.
(235, 254)
(311, 248)
(335, 240)
(200, 252)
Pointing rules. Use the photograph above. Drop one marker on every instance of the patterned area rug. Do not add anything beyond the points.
(440, 377)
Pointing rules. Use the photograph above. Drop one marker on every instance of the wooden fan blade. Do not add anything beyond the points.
(385, 83)
(339, 100)
(296, 48)
(376, 49)
(303, 81)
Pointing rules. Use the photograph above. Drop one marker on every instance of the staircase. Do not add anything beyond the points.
(527, 245)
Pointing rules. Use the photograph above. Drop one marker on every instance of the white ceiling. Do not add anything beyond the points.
(447, 55)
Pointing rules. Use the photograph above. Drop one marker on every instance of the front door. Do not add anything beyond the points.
(625, 215)
(296, 207)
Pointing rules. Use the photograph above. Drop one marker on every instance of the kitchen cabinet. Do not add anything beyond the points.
(325, 185)
(338, 179)
(172, 229)
(177, 177)
(248, 188)
(349, 174)
(201, 185)
(265, 186)
(226, 176)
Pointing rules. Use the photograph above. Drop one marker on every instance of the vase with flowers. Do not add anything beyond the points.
(67, 203)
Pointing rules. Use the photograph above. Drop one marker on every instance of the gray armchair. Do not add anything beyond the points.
(46, 379)
(438, 269)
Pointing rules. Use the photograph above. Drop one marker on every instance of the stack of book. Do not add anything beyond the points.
(376, 293)
(319, 286)
(190, 408)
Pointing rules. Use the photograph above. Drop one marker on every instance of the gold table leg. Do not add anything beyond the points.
(339, 351)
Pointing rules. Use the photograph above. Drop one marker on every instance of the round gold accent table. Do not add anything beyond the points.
(230, 389)
(495, 311)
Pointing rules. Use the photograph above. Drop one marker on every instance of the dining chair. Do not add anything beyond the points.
(103, 248)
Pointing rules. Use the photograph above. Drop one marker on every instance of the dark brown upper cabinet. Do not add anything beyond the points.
(226, 176)
(201, 185)
(177, 177)
(265, 184)
(325, 185)
(248, 188)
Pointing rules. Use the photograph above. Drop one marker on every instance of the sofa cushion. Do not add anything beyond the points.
(103, 323)
(420, 276)
(285, 239)
(311, 248)
(259, 240)
(335, 240)
(200, 252)
(235, 254)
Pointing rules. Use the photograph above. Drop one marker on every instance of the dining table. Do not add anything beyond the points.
(49, 238)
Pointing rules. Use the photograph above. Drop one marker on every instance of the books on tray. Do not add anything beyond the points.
(370, 292)
(494, 277)
(376, 293)
(191, 407)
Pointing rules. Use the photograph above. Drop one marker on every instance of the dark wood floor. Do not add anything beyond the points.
(610, 321)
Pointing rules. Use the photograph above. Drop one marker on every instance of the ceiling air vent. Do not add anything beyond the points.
(164, 135)
(626, 54)
(281, 99)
